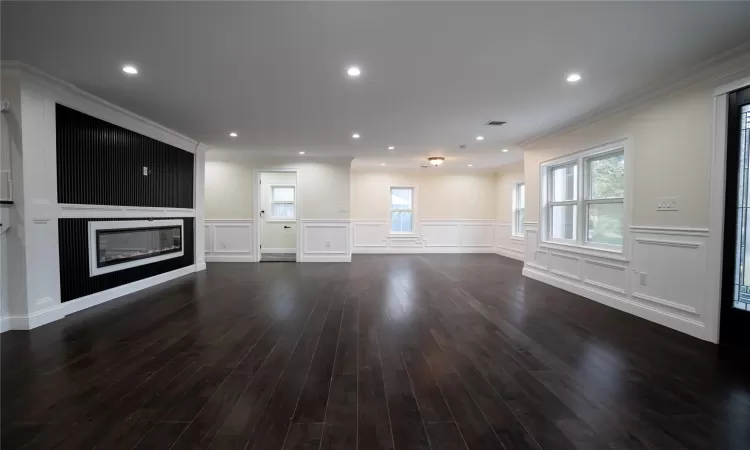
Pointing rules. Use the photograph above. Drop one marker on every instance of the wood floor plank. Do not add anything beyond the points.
(435, 352)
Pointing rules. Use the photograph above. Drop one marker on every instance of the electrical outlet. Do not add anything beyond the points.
(666, 204)
(643, 278)
(343, 209)
(145, 171)
(328, 244)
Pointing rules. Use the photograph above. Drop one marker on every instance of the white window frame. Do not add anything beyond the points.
(516, 201)
(272, 218)
(413, 211)
(581, 160)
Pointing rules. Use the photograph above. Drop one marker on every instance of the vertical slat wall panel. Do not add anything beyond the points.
(99, 163)
(75, 281)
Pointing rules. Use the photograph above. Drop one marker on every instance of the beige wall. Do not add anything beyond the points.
(273, 235)
(322, 185)
(505, 182)
(669, 156)
(439, 196)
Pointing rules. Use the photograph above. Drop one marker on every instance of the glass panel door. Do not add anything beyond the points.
(735, 302)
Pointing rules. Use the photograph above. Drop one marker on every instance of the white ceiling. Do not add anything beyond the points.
(433, 72)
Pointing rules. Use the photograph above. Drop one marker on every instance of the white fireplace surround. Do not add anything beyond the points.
(95, 226)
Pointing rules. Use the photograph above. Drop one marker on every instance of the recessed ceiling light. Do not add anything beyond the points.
(354, 71)
(391, 148)
(355, 136)
(301, 153)
(382, 164)
(233, 134)
(130, 69)
(505, 150)
(471, 165)
(480, 138)
(574, 78)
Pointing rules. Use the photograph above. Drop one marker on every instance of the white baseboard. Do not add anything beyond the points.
(229, 258)
(510, 253)
(327, 258)
(692, 327)
(4, 324)
(37, 319)
(200, 266)
(278, 250)
(406, 250)
(88, 301)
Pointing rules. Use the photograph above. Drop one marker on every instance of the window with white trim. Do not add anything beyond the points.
(283, 205)
(519, 206)
(402, 209)
(586, 198)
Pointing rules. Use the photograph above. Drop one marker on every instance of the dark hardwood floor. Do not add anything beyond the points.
(406, 352)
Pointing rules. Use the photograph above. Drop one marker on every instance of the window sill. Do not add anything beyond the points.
(584, 250)
(392, 235)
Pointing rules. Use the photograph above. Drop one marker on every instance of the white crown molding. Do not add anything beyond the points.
(719, 67)
(49, 81)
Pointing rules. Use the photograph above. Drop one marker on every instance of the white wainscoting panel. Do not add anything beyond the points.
(663, 281)
(441, 234)
(229, 240)
(477, 235)
(508, 245)
(431, 236)
(325, 240)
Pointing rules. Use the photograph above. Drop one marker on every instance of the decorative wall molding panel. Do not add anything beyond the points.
(322, 240)
(662, 281)
(229, 240)
(508, 245)
(432, 236)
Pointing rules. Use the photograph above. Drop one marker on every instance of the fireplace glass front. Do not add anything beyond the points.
(119, 246)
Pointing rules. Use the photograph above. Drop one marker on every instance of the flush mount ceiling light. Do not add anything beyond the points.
(574, 78)
(130, 70)
(471, 165)
(353, 71)
(355, 136)
(382, 164)
(480, 138)
(505, 150)
(391, 148)
(436, 160)
(301, 153)
(233, 134)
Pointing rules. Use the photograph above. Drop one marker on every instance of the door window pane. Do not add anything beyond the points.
(563, 222)
(605, 223)
(519, 222)
(607, 177)
(564, 183)
(282, 194)
(521, 196)
(283, 211)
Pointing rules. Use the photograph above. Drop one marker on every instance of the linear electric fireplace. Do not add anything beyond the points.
(122, 244)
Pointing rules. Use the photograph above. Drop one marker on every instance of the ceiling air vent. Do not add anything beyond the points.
(496, 123)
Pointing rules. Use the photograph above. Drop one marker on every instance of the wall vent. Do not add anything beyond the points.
(496, 123)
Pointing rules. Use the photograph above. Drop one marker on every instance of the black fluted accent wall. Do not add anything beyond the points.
(99, 163)
(75, 281)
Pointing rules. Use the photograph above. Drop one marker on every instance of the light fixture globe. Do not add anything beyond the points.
(436, 160)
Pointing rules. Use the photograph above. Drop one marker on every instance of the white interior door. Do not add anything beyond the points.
(278, 205)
